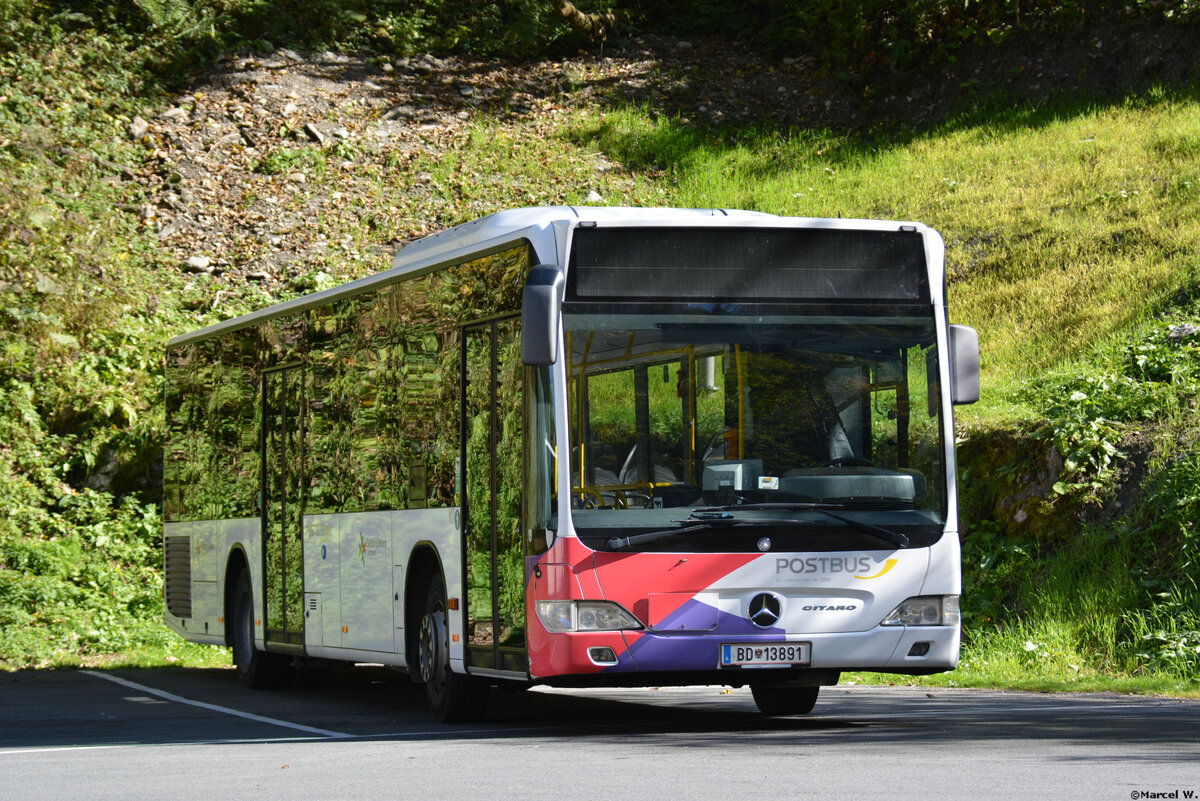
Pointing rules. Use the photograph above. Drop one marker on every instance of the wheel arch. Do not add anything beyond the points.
(236, 563)
(424, 564)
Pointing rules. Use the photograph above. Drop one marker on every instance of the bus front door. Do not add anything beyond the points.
(492, 431)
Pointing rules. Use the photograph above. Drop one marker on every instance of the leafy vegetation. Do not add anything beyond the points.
(1072, 237)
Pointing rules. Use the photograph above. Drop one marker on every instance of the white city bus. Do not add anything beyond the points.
(586, 447)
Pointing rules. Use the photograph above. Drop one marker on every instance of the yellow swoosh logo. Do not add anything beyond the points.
(888, 565)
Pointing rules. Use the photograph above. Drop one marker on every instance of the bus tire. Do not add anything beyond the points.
(257, 670)
(453, 697)
(784, 699)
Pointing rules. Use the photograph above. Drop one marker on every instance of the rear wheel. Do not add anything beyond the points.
(782, 699)
(453, 697)
(256, 669)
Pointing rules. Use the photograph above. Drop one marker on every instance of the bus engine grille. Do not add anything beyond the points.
(177, 564)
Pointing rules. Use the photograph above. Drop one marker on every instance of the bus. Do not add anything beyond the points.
(582, 447)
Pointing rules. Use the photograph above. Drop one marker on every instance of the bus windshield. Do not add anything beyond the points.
(817, 431)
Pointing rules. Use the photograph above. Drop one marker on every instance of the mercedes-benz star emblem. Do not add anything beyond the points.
(764, 610)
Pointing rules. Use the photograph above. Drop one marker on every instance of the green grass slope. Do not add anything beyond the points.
(1062, 226)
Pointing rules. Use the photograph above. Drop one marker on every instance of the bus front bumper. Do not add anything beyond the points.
(911, 650)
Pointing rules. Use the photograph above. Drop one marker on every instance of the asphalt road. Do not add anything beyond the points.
(196, 734)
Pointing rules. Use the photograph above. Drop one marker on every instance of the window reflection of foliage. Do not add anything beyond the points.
(390, 450)
(224, 479)
(479, 595)
(477, 400)
(178, 393)
(510, 579)
(494, 405)
(427, 396)
(286, 459)
(297, 460)
(335, 461)
(194, 378)
(273, 451)
(243, 413)
(286, 413)
(483, 287)
(365, 403)
(210, 479)
(386, 385)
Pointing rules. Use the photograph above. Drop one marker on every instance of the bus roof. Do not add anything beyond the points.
(543, 217)
(537, 224)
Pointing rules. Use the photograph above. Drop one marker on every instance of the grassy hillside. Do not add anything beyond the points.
(1072, 226)
(1063, 226)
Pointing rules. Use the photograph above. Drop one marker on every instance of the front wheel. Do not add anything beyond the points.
(256, 669)
(453, 697)
(778, 700)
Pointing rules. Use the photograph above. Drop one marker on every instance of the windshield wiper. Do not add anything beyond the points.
(700, 520)
(893, 538)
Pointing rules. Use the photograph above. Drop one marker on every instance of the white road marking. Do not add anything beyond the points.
(49, 748)
(237, 713)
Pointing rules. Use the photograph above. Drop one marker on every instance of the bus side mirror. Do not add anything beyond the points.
(540, 308)
(964, 364)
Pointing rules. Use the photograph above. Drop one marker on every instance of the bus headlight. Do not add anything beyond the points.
(560, 616)
(925, 610)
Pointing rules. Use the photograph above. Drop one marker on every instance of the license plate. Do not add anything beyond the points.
(765, 653)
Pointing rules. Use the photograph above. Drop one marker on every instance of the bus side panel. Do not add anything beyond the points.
(206, 593)
(195, 589)
(322, 586)
(415, 529)
(243, 536)
(365, 581)
(354, 572)
(945, 567)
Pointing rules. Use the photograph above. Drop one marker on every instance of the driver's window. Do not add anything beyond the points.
(632, 435)
(611, 433)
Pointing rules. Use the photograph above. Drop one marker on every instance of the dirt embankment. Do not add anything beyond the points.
(225, 200)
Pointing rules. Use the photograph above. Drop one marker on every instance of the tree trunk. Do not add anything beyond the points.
(594, 26)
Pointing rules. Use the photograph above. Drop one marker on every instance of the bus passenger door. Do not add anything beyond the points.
(492, 436)
(282, 510)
